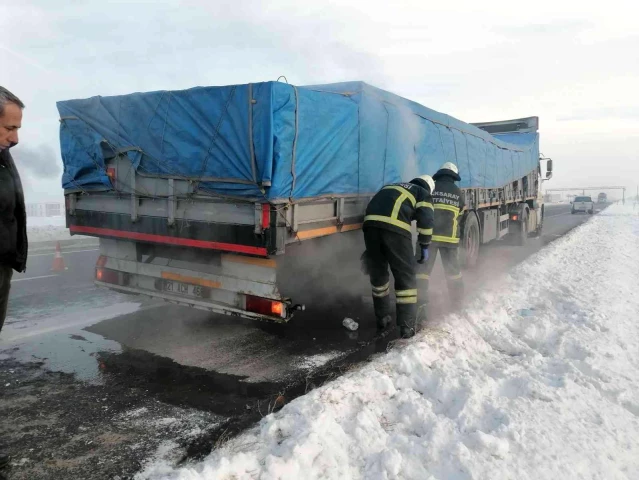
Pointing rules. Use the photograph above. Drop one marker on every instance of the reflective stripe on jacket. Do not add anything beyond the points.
(395, 206)
(448, 203)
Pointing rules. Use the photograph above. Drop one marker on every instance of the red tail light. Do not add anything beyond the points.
(266, 215)
(111, 174)
(264, 306)
(514, 217)
(102, 260)
(277, 308)
(107, 276)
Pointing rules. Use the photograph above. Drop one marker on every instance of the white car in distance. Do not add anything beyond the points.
(583, 204)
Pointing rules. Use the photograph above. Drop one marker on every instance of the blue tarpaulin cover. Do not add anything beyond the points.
(338, 139)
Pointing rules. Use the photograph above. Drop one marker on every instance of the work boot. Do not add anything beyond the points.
(406, 332)
(4, 459)
(384, 322)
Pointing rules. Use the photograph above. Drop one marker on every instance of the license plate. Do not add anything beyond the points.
(183, 289)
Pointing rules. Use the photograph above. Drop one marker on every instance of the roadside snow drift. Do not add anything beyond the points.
(538, 379)
(47, 229)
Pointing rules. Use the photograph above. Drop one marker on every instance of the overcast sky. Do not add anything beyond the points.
(573, 64)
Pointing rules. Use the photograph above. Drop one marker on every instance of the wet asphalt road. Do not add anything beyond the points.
(188, 359)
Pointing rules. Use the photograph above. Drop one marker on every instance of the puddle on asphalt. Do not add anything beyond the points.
(65, 351)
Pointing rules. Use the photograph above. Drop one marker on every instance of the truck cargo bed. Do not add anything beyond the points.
(277, 143)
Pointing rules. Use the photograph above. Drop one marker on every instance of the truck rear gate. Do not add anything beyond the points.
(200, 251)
(215, 281)
(252, 287)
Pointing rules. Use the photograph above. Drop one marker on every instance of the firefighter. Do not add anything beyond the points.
(389, 242)
(448, 203)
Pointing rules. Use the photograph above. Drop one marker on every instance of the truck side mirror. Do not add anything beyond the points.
(549, 168)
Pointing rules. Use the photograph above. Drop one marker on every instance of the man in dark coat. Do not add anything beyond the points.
(13, 216)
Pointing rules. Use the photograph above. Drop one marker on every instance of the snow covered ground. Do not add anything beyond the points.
(538, 379)
(46, 229)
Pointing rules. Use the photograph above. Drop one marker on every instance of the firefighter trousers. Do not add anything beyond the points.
(385, 248)
(450, 260)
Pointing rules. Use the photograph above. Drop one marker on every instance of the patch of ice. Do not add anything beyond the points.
(183, 427)
(12, 333)
(48, 229)
(165, 422)
(136, 413)
(160, 464)
(315, 361)
(35, 222)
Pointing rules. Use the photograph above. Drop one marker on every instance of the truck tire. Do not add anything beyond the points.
(521, 233)
(540, 225)
(470, 241)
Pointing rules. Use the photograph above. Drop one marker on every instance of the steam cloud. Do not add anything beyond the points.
(38, 163)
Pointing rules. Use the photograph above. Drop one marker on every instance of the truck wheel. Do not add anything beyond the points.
(470, 241)
(521, 234)
(540, 225)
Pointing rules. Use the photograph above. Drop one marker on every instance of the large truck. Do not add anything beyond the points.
(231, 198)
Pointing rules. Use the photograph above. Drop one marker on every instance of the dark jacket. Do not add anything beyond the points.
(395, 206)
(13, 216)
(448, 202)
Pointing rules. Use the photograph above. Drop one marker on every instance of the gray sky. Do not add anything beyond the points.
(574, 65)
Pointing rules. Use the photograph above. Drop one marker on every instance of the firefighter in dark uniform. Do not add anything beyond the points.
(448, 202)
(389, 242)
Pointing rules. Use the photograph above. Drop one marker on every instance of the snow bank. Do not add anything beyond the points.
(47, 229)
(36, 222)
(541, 383)
(48, 234)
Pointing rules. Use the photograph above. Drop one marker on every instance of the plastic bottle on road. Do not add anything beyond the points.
(350, 324)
